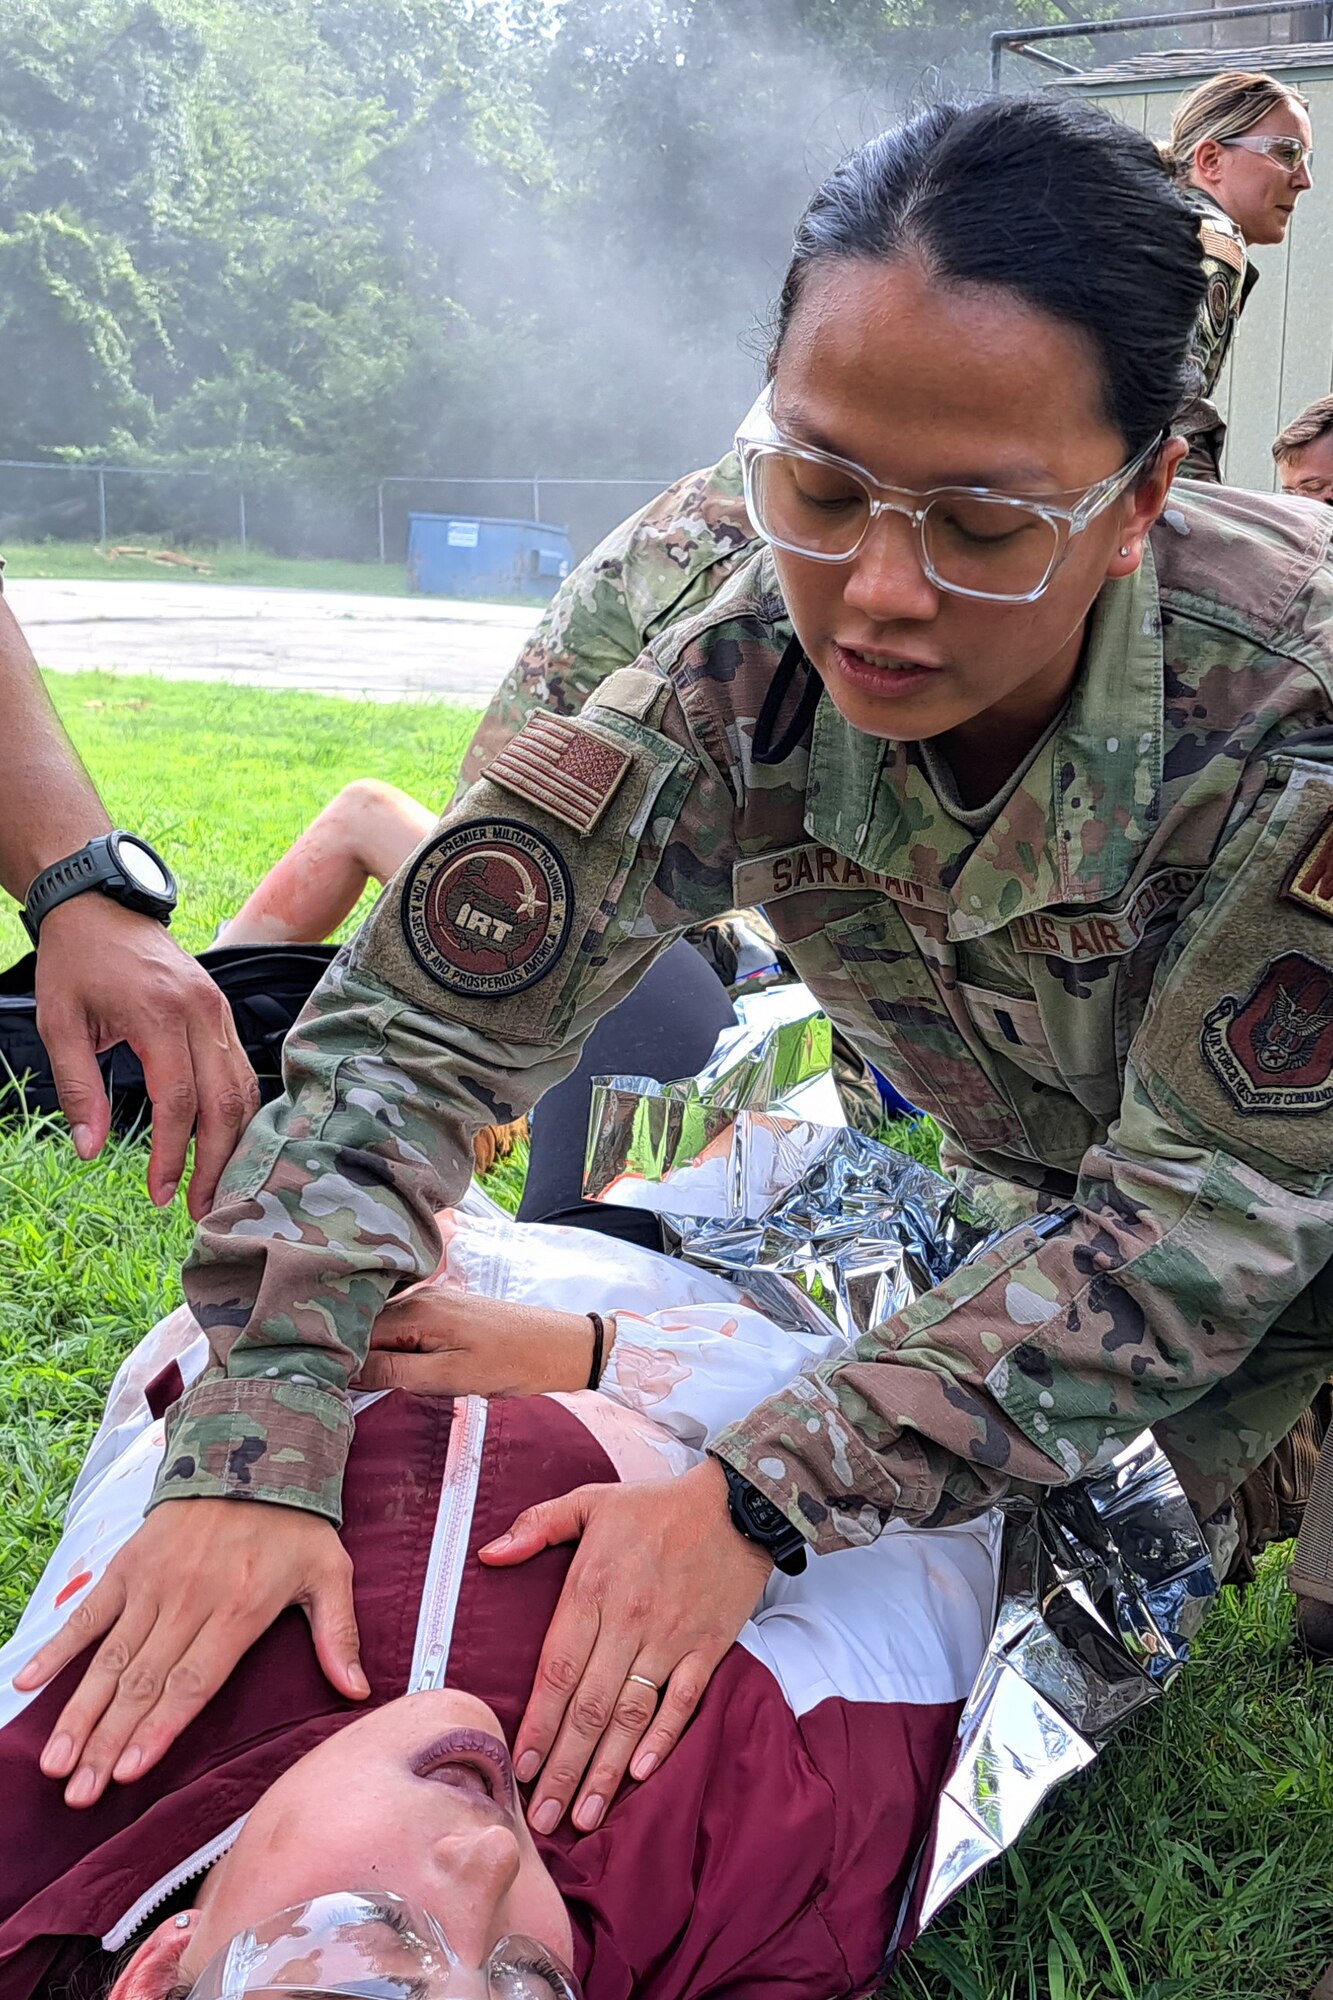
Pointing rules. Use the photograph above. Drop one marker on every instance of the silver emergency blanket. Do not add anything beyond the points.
(679, 1149)
(1103, 1584)
(1102, 1587)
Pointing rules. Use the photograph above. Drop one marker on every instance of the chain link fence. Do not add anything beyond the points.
(115, 505)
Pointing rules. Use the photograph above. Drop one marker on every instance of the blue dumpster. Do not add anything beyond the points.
(465, 555)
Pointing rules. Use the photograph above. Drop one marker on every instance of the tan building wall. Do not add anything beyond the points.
(1282, 356)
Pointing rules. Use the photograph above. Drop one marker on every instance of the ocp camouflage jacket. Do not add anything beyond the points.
(1117, 999)
(1231, 278)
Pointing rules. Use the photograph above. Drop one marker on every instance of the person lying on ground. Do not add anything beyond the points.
(368, 831)
(108, 971)
(771, 1855)
(364, 834)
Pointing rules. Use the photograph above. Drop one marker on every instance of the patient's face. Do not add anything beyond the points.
(418, 1797)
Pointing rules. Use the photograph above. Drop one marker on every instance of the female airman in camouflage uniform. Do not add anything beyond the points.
(1029, 764)
(1240, 150)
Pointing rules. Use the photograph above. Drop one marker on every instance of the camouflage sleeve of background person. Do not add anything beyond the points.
(535, 906)
(1230, 276)
(649, 572)
(1207, 1211)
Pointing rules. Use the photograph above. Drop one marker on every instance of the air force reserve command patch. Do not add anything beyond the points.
(487, 908)
(1273, 1051)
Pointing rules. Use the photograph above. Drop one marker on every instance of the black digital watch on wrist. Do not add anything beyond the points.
(754, 1516)
(118, 865)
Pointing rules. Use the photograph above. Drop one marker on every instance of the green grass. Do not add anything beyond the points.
(504, 1182)
(1195, 1861)
(227, 562)
(87, 1265)
(223, 778)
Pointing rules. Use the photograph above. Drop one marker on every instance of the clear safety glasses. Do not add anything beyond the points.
(973, 542)
(1290, 154)
(374, 1945)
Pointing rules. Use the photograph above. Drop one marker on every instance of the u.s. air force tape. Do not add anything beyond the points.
(487, 908)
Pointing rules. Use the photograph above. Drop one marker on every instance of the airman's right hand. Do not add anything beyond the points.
(434, 1341)
(176, 1609)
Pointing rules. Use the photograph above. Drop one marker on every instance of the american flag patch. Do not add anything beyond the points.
(562, 770)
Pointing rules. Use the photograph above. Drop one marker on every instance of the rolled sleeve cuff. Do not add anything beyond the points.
(799, 1449)
(255, 1438)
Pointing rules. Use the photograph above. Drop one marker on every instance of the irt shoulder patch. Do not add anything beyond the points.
(1218, 303)
(487, 908)
(562, 769)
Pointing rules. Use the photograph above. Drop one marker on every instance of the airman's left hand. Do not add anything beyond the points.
(660, 1586)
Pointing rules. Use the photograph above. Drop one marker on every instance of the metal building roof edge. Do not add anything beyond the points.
(1167, 67)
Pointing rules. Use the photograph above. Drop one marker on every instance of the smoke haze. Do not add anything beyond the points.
(311, 244)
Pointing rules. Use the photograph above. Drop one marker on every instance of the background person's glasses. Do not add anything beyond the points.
(1289, 154)
(972, 542)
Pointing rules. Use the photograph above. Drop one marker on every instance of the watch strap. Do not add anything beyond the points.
(63, 879)
(94, 866)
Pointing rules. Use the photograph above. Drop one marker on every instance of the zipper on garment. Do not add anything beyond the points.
(453, 1525)
(435, 1625)
(197, 1864)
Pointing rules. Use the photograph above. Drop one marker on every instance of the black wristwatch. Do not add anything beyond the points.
(119, 865)
(754, 1516)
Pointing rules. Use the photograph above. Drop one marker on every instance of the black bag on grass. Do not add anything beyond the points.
(267, 986)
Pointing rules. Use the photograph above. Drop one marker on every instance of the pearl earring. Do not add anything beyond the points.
(1123, 550)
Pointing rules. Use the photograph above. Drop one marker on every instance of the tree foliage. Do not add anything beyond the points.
(371, 236)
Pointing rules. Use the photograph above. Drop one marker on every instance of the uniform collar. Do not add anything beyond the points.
(1212, 211)
(1073, 829)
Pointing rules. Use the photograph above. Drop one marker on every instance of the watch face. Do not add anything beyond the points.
(144, 870)
(766, 1517)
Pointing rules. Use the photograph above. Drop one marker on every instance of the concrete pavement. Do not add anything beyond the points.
(325, 642)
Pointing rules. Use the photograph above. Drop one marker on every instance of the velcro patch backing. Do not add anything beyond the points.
(562, 769)
(1238, 1036)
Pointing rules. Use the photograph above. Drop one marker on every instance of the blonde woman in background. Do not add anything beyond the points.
(1240, 149)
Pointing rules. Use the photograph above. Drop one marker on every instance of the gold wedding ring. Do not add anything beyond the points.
(644, 1682)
